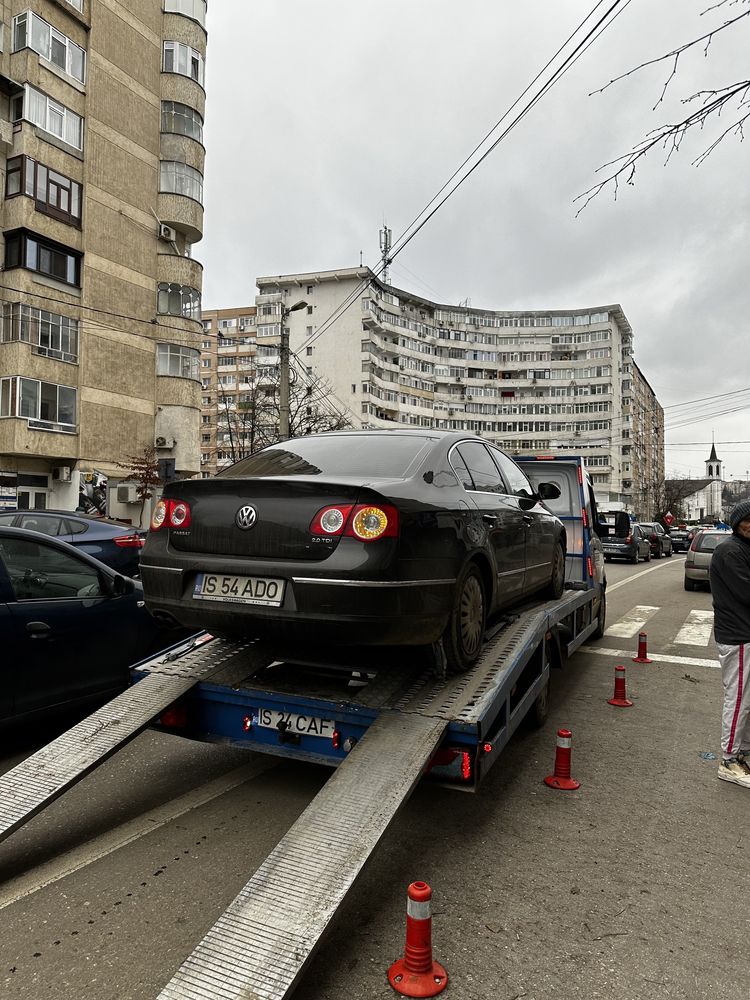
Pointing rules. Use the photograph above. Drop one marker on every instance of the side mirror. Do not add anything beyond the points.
(548, 491)
(120, 585)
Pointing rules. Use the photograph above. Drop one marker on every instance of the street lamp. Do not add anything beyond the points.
(284, 370)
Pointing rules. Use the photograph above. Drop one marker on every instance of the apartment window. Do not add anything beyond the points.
(26, 249)
(183, 59)
(43, 402)
(49, 333)
(78, 4)
(181, 119)
(190, 8)
(179, 178)
(53, 193)
(178, 300)
(176, 360)
(30, 31)
(50, 116)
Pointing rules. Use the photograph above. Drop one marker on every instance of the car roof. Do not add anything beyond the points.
(81, 516)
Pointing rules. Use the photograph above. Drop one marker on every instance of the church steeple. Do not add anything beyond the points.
(713, 464)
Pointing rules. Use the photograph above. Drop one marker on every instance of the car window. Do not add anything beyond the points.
(76, 527)
(376, 456)
(485, 474)
(41, 572)
(707, 542)
(459, 467)
(47, 525)
(7, 518)
(513, 476)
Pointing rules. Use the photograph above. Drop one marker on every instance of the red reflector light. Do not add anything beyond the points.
(336, 739)
(130, 541)
(580, 476)
(466, 766)
(487, 747)
(589, 566)
(247, 723)
(174, 717)
(584, 517)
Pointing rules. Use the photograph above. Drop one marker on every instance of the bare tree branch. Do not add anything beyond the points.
(670, 136)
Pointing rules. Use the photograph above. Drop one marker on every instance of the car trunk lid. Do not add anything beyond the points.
(278, 513)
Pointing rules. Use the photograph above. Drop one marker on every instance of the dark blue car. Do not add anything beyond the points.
(111, 542)
(70, 627)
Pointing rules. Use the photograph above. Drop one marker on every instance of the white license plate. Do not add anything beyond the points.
(303, 725)
(239, 589)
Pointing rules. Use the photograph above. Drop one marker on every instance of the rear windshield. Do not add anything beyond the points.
(707, 542)
(374, 456)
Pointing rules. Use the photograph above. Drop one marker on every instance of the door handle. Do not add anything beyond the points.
(38, 630)
(490, 518)
(528, 519)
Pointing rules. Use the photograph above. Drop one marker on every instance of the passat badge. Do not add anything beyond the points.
(245, 517)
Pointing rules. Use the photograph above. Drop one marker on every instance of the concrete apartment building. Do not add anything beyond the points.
(533, 381)
(101, 129)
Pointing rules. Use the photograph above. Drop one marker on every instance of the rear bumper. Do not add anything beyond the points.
(619, 551)
(698, 574)
(315, 609)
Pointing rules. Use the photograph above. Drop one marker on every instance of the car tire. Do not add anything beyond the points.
(689, 584)
(669, 554)
(556, 584)
(657, 554)
(648, 556)
(601, 618)
(462, 638)
(538, 714)
(634, 559)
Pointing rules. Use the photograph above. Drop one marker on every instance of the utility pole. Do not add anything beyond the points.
(284, 369)
(385, 253)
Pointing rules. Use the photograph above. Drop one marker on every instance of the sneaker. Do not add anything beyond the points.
(735, 771)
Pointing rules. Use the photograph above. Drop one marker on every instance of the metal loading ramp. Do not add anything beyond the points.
(260, 945)
(45, 775)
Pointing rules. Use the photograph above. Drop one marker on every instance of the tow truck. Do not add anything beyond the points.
(381, 726)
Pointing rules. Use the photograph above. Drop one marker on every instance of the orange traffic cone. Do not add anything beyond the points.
(561, 778)
(416, 974)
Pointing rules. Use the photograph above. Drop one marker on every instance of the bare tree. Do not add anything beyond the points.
(732, 99)
(250, 420)
(668, 496)
(143, 469)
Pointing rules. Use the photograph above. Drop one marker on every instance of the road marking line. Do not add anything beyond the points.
(93, 850)
(637, 576)
(697, 629)
(688, 661)
(631, 623)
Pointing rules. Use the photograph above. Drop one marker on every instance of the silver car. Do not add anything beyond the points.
(698, 558)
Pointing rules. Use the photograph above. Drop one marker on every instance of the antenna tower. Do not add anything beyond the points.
(385, 251)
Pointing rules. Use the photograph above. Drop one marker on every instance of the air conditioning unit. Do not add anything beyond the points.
(128, 493)
(167, 233)
(164, 442)
(63, 474)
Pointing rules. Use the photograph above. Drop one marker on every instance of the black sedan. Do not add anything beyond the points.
(359, 538)
(70, 628)
(660, 541)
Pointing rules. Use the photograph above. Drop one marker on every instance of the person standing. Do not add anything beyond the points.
(730, 589)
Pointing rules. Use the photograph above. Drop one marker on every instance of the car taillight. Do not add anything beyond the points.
(171, 514)
(367, 522)
(628, 540)
(130, 541)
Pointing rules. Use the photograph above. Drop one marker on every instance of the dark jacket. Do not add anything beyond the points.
(730, 588)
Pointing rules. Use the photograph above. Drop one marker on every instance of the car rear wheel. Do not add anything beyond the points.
(462, 639)
(557, 579)
(634, 558)
(657, 554)
(669, 554)
(648, 556)
(689, 584)
(601, 618)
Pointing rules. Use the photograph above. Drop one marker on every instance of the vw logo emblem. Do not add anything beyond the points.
(246, 517)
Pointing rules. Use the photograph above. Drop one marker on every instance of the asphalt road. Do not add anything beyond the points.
(636, 885)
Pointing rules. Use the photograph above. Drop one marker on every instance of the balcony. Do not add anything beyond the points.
(181, 213)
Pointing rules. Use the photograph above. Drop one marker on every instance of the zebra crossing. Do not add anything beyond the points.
(695, 631)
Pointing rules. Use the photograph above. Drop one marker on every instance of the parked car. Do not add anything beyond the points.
(70, 628)
(116, 544)
(660, 541)
(630, 543)
(698, 558)
(360, 538)
(679, 536)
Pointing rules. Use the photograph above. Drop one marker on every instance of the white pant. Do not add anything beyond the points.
(735, 717)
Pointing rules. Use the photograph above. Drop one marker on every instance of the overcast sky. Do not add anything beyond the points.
(326, 119)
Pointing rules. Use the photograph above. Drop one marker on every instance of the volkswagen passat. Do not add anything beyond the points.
(355, 538)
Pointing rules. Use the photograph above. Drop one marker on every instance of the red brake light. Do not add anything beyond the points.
(629, 539)
(130, 541)
(171, 514)
(366, 522)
